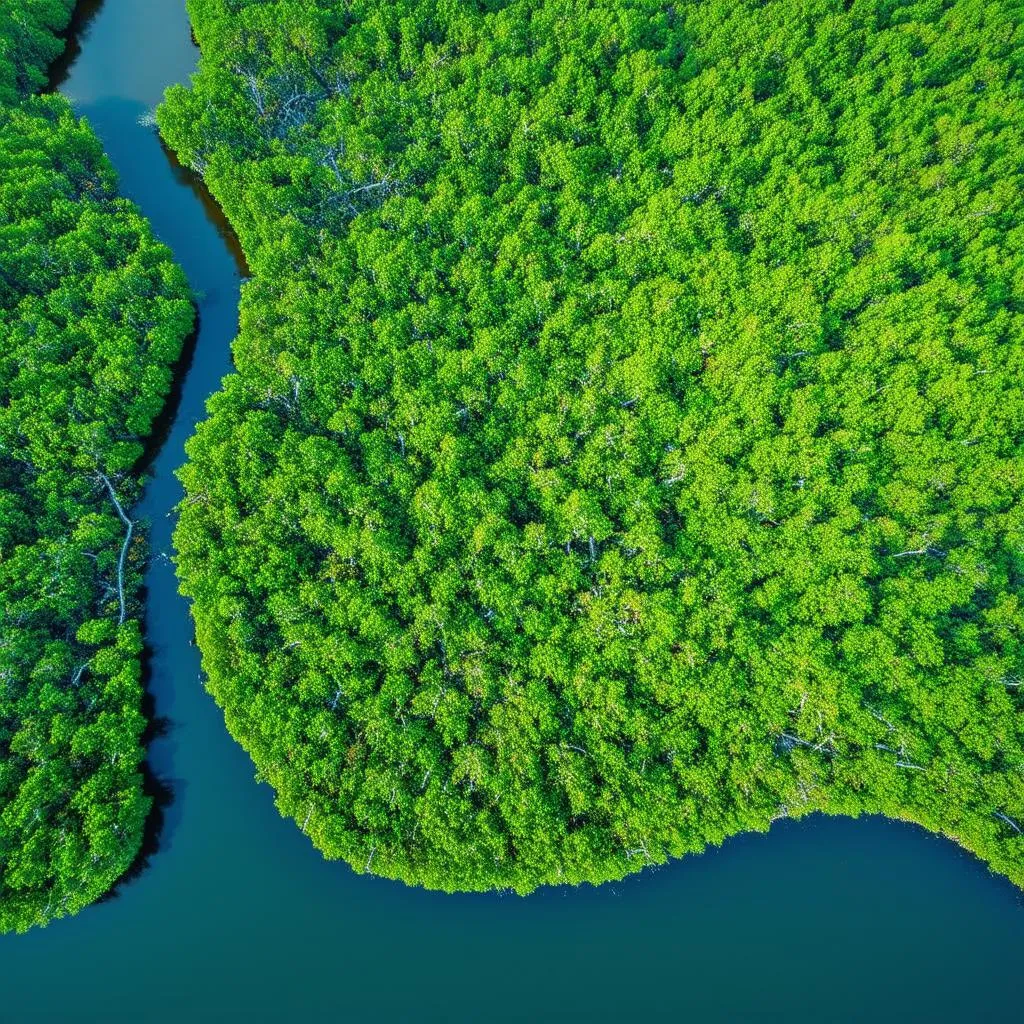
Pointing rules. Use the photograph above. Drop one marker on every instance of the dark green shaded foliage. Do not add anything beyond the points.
(92, 315)
(29, 43)
(625, 448)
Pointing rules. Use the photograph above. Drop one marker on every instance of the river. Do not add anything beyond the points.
(236, 915)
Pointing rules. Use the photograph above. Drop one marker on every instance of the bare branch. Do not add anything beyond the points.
(1009, 821)
(129, 530)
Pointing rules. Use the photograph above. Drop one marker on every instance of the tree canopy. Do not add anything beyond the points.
(29, 43)
(93, 312)
(625, 444)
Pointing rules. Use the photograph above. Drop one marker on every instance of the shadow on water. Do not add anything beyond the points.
(214, 214)
(157, 831)
(168, 415)
(84, 14)
(165, 420)
(165, 792)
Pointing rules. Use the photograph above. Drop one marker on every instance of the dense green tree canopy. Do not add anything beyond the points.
(92, 314)
(29, 43)
(625, 448)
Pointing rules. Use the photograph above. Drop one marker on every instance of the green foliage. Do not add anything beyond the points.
(625, 444)
(92, 314)
(29, 43)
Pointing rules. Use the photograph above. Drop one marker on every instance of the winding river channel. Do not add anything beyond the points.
(235, 915)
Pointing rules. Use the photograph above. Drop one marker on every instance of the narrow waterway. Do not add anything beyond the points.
(235, 915)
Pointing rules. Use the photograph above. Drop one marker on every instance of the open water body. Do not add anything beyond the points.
(236, 916)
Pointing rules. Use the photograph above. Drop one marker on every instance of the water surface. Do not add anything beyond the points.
(237, 916)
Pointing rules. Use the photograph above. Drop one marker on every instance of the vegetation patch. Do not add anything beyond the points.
(92, 314)
(625, 444)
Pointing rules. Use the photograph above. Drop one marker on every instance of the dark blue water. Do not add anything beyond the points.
(237, 916)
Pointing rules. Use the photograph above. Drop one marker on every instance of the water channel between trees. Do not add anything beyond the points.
(236, 915)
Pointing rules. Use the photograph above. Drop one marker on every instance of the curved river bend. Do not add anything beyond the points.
(237, 916)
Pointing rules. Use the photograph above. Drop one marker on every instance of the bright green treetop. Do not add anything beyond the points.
(625, 448)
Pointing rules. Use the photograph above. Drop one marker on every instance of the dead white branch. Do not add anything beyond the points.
(1009, 821)
(129, 530)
